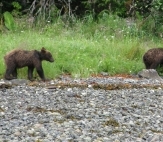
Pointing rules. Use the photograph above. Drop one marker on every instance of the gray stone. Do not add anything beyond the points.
(149, 74)
(19, 81)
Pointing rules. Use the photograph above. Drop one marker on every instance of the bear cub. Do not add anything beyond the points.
(153, 58)
(22, 58)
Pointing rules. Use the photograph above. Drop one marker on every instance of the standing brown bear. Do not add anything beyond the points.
(21, 58)
(153, 58)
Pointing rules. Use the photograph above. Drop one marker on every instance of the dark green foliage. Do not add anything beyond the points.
(150, 12)
(17, 8)
(122, 8)
(113, 6)
(151, 18)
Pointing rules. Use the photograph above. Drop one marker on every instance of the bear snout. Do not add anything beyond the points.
(51, 60)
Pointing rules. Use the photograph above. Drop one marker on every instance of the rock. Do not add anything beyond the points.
(104, 73)
(149, 74)
(19, 81)
(5, 84)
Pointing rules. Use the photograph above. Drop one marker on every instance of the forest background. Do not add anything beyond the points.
(86, 37)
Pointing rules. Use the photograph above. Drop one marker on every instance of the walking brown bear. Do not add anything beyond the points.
(21, 58)
(153, 58)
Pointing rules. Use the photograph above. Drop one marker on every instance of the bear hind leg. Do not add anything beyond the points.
(9, 72)
(14, 73)
(30, 73)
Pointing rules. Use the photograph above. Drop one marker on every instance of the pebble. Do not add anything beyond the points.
(76, 114)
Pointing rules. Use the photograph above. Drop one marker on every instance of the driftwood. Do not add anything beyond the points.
(45, 8)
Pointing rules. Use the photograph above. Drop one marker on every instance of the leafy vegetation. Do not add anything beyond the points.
(9, 21)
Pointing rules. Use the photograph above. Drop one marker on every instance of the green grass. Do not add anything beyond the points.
(86, 48)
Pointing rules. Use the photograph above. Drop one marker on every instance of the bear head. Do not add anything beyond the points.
(46, 55)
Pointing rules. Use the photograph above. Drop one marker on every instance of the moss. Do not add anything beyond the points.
(112, 122)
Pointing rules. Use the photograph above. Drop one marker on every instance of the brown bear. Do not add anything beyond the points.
(21, 58)
(153, 58)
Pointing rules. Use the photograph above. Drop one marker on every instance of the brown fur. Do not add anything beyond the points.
(153, 58)
(22, 58)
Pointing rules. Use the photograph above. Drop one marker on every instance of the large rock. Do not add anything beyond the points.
(10, 83)
(149, 74)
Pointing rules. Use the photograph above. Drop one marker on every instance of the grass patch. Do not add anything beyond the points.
(83, 49)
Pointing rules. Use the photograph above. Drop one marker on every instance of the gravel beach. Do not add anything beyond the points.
(95, 109)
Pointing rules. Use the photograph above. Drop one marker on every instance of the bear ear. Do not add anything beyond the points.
(43, 50)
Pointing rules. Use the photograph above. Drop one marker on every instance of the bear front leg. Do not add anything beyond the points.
(30, 73)
(40, 72)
